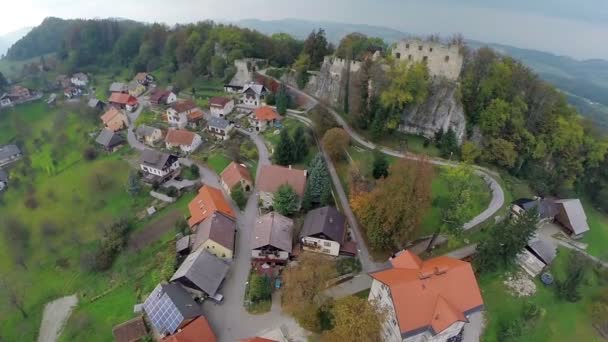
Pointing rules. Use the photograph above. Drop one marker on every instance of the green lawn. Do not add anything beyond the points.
(597, 236)
(73, 199)
(559, 320)
(217, 161)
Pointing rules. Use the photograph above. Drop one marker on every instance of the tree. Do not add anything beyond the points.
(500, 151)
(285, 200)
(13, 295)
(335, 141)
(317, 47)
(355, 46)
(194, 171)
(380, 165)
(301, 67)
(218, 64)
(300, 146)
(303, 283)
(322, 120)
(282, 99)
(356, 319)
(284, 150)
(469, 152)
(448, 145)
(568, 288)
(259, 288)
(238, 196)
(3, 82)
(504, 241)
(318, 184)
(391, 213)
(19, 237)
(133, 185)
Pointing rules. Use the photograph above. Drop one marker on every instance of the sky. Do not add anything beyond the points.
(576, 28)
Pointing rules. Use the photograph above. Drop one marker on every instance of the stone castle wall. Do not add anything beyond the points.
(442, 60)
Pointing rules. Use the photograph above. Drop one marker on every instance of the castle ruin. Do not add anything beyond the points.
(441, 60)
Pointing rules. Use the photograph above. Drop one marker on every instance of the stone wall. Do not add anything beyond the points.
(442, 60)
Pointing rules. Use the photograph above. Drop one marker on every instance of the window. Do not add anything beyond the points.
(325, 250)
(447, 59)
(326, 243)
(430, 49)
(398, 55)
(407, 46)
(425, 58)
(419, 47)
(409, 57)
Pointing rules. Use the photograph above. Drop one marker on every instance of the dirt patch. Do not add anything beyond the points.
(154, 231)
(520, 285)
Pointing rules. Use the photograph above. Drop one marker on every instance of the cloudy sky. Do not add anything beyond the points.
(577, 28)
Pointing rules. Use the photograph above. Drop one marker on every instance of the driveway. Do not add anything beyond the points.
(131, 139)
(54, 317)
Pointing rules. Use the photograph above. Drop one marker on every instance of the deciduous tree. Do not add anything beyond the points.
(335, 141)
(356, 319)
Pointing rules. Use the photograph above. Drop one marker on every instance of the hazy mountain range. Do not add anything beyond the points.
(7, 40)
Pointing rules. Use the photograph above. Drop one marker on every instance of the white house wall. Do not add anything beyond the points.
(325, 246)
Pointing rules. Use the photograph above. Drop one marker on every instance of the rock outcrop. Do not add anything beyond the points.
(339, 79)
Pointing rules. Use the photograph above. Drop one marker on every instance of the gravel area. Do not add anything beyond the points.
(56, 314)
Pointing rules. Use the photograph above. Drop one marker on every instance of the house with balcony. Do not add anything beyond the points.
(323, 231)
(272, 238)
(253, 94)
(158, 166)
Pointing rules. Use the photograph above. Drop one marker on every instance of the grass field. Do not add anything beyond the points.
(559, 320)
(73, 200)
(597, 236)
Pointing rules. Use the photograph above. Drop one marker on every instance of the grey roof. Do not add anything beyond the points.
(273, 229)
(145, 130)
(257, 88)
(94, 102)
(154, 158)
(327, 221)
(545, 206)
(218, 122)
(108, 138)
(203, 270)
(80, 76)
(3, 176)
(576, 214)
(183, 243)
(8, 151)
(217, 227)
(168, 306)
(133, 85)
(118, 87)
(543, 248)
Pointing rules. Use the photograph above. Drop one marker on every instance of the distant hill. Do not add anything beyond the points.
(7, 40)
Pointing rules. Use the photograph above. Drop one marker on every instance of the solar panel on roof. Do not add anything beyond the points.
(162, 312)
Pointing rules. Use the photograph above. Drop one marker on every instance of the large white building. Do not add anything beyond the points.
(428, 300)
(441, 60)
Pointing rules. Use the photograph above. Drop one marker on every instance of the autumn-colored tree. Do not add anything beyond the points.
(391, 213)
(355, 319)
(335, 141)
(303, 282)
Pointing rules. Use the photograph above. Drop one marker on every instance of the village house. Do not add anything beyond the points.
(71, 92)
(148, 134)
(9, 154)
(123, 101)
(220, 128)
(253, 94)
(62, 81)
(114, 119)
(197, 330)
(133, 330)
(324, 231)
(182, 113)
(5, 100)
(427, 300)
(143, 78)
(186, 141)
(20, 93)
(202, 273)
(119, 87)
(109, 140)
(207, 201)
(272, 177)
(537, 255)
(236, 174)
(545, 207)
(96, 104)
(79, 80)
(272, 238)
(216, 234)
(263, 117)
(571, 215)
(158, 166)
(221, 106)
(170, 298)
(162, 97)
(136, 89)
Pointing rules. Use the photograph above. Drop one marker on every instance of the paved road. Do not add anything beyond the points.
(359, 283)
(131, 139)
(54, 317)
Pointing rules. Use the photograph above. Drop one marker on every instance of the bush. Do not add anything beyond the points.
(89, 153)
(238, 195)
(259, 288)
(348, 265)
(112, 243)
(568, 288)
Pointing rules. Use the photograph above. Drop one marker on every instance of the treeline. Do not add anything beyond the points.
(529, 128)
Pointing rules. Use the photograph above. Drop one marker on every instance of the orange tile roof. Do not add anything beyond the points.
(183, 106)
(430, 294)
(198, 330)
(179, 137)
(208, 200)
(110, 115)
(195, 115)
(266, 113)
(121, 98)
(234, 173)
(273, 176)
(219, 101)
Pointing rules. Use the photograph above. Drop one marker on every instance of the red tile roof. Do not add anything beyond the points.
(266, 113)
(158, 95)
(110, 114)
(208, 201)
(123, 99)
(195, 115)
(183, 106)
(218, 101)
(430, 294)
(234, 173)
(130, 331)
(273, 176)
(198, 330)
(179, 137)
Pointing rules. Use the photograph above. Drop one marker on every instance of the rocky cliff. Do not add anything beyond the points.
(340, 81)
